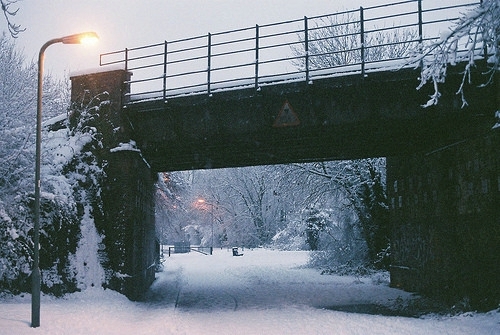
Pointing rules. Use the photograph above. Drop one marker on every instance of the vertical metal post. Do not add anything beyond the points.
(209, 57)
(485, 47)
(420, 31)
(362, 33)
(420, 22)
(165, 59)
(126, 59)
(213, 218)
(35, 274)
(306, 47)
(256, 56)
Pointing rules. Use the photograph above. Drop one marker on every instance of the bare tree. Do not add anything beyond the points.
(252, 203)
(336, 41)
(9, 13)
(475, 34)
(170, 208)
(242, 206)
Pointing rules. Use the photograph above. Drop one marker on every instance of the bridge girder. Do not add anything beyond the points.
(339, 118)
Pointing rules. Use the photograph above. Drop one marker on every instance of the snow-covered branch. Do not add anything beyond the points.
(475, 35)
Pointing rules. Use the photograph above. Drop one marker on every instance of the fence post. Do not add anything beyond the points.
(209, 56)
(420, 22)
(485, 47)
(420, 33)
(126, 59)
(306, 47)
(165, 59)
(256, 56)
(362, 32)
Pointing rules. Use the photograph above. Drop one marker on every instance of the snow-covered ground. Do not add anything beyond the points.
(262, 292)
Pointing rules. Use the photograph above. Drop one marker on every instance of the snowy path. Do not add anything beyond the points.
(263, 292)
(259, 280)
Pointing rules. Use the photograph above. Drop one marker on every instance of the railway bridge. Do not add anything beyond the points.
(270, 94)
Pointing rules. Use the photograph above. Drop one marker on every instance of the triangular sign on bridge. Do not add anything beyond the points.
(286, 117)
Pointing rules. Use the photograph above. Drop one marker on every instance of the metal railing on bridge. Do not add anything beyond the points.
(353, 42)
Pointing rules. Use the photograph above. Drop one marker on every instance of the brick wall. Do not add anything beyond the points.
(127, 222)
(445, 214)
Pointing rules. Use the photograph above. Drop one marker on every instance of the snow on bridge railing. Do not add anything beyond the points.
(353, 42)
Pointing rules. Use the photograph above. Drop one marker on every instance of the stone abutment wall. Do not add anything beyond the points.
(124, 215)
(445, 214)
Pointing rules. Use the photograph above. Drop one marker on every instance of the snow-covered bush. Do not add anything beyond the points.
(349, 210)
(292, 236)
(59, 233)
(317, 222)
(15, 249)
(68, 183)
(339, 240)
(71, 187)
(18, 82)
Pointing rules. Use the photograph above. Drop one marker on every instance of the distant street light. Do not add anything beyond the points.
(35, 275)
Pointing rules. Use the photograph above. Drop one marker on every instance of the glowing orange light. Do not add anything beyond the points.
(90, 38)
(82, 38)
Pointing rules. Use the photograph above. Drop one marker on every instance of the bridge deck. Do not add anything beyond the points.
(334, 118)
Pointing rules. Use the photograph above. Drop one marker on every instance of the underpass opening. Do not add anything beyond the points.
(280, 206)
(288, 222)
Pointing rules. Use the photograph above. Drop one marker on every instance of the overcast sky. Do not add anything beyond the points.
(131, 23)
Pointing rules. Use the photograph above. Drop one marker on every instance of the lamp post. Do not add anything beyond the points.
(35, 275)
(202, 201)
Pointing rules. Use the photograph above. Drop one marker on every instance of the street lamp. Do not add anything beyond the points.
(35, 275)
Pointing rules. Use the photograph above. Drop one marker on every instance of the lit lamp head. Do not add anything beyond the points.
(82, 38)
